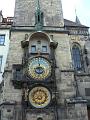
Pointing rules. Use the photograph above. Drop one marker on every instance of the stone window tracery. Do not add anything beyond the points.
(77, 57)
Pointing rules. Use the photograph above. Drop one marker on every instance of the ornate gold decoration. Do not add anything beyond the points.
(39, 68)
(39, 97)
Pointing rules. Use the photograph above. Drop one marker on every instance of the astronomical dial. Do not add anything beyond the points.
(39, 68)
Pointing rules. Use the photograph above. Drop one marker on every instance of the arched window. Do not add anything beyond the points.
(76, 57)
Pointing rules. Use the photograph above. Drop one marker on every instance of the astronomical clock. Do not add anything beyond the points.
(38, 68)
(39, 74)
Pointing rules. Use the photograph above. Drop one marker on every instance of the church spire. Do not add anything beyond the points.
(77, 19)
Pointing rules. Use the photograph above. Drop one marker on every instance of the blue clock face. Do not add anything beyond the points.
(39, 68)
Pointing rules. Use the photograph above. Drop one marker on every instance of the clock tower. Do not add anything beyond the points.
(39, 81)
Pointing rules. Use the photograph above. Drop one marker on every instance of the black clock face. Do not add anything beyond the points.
(39, 68)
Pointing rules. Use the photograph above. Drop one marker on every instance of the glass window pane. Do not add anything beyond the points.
(44, 48)
(2, 39)
(76, 58)
(33, 48)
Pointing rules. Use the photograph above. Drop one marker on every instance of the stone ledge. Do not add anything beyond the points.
(82, 74)
(75, 100)
(7, 103)
(45, 28)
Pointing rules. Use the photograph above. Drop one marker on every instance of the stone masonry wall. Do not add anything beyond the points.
(25, 12)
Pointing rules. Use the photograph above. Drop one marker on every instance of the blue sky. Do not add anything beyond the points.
(82, 9)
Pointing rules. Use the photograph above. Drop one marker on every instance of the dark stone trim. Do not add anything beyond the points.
(78, 34)
(7, 70)
(75, 100)
(7, 103)
(69, 70)
(40, 109)
(76, 26)
(82, 74)
(17, 66)
(60, 31)
(5, 28)
(46, 29)
(37, 54)
(34, 26)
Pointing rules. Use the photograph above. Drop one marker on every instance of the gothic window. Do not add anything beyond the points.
(17, 71)
(76, 57)
(2, 39)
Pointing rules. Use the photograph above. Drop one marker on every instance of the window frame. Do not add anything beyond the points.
(33, 46)
(44, 46)
(2, 40)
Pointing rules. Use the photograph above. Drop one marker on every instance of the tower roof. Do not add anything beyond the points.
(69, 23)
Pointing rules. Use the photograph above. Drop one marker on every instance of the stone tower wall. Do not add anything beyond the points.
(25, 12)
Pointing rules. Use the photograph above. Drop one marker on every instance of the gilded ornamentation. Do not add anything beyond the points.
(39, 97)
